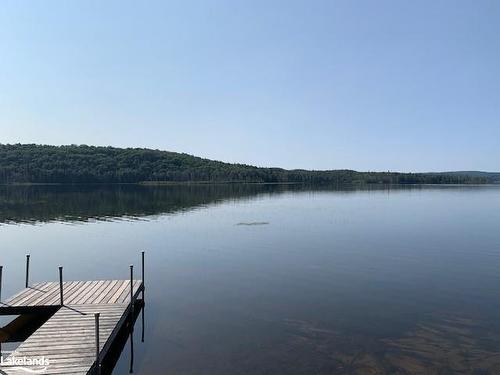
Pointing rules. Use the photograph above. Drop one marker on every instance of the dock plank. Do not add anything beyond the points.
(75, 292)
(67, 338)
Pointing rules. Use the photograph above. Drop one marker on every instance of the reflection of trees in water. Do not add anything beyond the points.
(83, 202)
(41, 203)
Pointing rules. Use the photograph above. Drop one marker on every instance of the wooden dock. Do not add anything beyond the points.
(85, 318)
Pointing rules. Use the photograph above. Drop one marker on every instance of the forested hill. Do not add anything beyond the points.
(29, 163)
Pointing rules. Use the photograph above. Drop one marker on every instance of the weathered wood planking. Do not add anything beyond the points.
(46, 295)
(75, 293)
(67, 339)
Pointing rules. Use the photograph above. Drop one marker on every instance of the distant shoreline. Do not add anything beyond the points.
(212, 183)
(31, 164)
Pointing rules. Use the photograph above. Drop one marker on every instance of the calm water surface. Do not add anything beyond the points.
(262, 279)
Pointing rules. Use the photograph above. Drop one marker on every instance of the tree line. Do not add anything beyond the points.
(31, 163)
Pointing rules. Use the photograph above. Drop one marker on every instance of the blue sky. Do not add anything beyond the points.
(367, 85)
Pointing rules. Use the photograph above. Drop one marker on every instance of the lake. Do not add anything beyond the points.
(279, 279)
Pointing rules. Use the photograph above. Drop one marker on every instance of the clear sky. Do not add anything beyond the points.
(367, 85)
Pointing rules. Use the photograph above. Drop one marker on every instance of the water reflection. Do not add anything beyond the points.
(254, 279)
(79, 203)
(126, 334)
(45, 203)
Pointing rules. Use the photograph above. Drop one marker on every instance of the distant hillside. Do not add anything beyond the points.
(491, 176)
(29, 163)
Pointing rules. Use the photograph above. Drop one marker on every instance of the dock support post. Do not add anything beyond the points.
(142, 318)
(97, 344)
(61, 285)
(131, 368)
(142, 264)
(132, 290)
(1, 275)
(27, 270)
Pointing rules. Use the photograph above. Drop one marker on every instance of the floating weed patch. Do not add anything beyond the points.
(254, 223)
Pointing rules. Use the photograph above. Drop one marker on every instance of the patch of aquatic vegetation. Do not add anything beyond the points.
(250, 223)
(442, 345)
(448, 345)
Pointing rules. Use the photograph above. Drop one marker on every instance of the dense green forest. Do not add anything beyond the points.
(30, 163)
